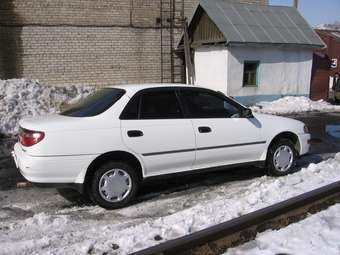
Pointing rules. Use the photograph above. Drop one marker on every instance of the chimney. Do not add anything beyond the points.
(296, 4)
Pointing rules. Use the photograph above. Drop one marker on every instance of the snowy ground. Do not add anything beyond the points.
(31, 223)
(22, 98)
(318, 234)
(290, 104)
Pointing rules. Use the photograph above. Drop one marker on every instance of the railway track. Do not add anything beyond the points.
(217, 239)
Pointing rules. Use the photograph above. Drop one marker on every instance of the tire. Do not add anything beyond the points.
(279, 165)
(114, 185)
(73, 196)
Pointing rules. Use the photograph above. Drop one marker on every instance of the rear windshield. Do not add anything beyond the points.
(94, 104)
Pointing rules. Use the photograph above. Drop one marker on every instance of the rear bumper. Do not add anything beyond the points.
(61, 171)
(76, 186)
(304, 143)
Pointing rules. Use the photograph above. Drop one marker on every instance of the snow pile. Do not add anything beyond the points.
(323, 231)
(290, 104)
(22, 98)
(123, 231)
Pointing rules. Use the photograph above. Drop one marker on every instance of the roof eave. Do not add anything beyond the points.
(301, 45)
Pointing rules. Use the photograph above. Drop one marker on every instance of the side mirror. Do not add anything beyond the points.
(247, 113)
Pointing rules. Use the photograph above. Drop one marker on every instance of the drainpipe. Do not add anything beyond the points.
(296, 4)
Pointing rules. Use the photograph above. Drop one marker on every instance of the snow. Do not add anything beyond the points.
(323, 236)
(22, 98)
(291, 104)
(334, 26)
(78, 230)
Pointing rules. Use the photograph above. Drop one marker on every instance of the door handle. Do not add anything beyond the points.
(204, 129)
(134, 133)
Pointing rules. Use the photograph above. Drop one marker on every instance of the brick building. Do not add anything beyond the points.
(94, 42)
(325, 65)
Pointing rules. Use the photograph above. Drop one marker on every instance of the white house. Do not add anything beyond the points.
(252, 52)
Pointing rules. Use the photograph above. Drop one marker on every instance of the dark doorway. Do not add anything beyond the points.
(320, 77)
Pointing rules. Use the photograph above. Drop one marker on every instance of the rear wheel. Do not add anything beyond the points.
(281, 157)
(114, 185)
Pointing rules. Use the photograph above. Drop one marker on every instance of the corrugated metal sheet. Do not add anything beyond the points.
(247, 23)
(206, 32)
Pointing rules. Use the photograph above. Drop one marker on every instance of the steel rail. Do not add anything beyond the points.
(186, 244)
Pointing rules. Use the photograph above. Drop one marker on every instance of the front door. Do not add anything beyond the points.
(223, 137)
(154, 128)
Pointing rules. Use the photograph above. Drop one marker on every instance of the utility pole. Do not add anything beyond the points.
(296, 4)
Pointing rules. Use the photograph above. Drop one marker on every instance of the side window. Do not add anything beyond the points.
(131, 110)
(160, 105)
(201, 104)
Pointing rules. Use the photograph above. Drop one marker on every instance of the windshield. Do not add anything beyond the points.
(94, 104)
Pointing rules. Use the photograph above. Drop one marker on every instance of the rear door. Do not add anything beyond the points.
(223, 137)
(153, 126)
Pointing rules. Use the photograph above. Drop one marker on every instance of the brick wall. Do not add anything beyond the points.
(90, 55)
(82, 41)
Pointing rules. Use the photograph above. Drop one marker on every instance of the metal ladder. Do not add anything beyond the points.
(171, 25)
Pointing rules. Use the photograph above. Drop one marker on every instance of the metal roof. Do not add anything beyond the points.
(251, 23)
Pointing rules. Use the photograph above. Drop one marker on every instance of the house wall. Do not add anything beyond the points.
(282, 71)
(322, 71)
(333, 47)
(211, 67)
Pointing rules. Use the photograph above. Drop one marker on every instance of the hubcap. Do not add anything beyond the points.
(115, 185)
(283, 158)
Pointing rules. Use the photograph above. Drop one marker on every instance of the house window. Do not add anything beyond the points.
(250, 73)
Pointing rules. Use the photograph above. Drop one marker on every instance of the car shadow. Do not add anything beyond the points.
(159, 187)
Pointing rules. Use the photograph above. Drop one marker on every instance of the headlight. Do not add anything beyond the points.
(305, 129)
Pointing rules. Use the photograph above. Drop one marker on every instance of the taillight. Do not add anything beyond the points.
(30, 137)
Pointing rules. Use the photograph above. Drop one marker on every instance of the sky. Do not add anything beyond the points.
(315, 11)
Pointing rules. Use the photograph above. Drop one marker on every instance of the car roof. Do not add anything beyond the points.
(132, 89)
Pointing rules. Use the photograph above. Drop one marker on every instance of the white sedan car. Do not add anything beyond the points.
(107, 144)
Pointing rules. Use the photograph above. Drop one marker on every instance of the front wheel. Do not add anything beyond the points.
(281, 157)
(114, 185)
